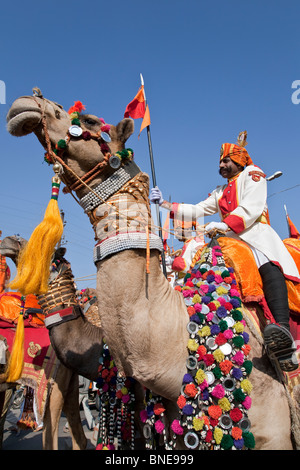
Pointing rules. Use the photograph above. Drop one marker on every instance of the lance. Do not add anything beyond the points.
(154, 184)
(287, 220)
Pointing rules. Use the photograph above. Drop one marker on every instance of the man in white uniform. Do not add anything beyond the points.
(242, 207)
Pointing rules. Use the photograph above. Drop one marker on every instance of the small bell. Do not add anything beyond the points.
(57, 168)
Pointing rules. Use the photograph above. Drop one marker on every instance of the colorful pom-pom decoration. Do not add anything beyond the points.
(214, 399)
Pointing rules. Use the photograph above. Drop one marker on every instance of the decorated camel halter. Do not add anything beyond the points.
(127, 178)
(114, 161)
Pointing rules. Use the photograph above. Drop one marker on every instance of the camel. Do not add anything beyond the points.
(64, 397)
(144, 320)
(78, 343)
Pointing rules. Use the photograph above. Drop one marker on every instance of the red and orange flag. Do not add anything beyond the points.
(137, 109)
(292, 229)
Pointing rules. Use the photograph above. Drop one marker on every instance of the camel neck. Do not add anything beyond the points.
(136, 308)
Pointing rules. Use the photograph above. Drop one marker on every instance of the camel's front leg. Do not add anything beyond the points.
(54, 408)
(71, 410)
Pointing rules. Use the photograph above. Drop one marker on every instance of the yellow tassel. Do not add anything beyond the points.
(16, 360)
(34, 263)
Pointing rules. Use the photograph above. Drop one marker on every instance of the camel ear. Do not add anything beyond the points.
(125, 129)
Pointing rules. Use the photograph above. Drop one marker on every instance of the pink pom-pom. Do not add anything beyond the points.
(105, 128)
(203, 385)
(228, 334)
(125, 398)
(143, 416)
(234, 293)
(247, 403)
(204, 288)
(187, 293)
(238, 358)
(176, 428)
(218, 391)
(218, 279)
(159, 426)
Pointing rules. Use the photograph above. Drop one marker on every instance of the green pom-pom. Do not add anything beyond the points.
(226, 442)
(62, 144)
(203, 270)
(76, 122)
(225, 274)
(201, 317)
(249, 440)
(217, 372)
(223, 325)
(239, 395)
(238, 341)
(248, 367)
(187, 276)
(237, 314)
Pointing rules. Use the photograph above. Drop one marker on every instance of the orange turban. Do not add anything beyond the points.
(237, 152)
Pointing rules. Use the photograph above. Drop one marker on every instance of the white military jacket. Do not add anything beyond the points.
(241, 203)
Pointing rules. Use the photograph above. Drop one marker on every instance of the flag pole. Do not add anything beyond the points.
(154, 184)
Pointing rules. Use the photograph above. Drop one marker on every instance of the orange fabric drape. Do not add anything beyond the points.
(293, 247)
(238, 256)
(10, 307)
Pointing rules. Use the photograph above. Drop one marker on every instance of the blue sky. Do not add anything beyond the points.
(211, 70)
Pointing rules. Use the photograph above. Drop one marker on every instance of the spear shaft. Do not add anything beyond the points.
(154, 184)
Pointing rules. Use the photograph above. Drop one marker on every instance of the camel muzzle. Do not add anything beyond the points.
(23, 117)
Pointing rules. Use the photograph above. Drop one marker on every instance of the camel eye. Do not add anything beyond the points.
(89, 121)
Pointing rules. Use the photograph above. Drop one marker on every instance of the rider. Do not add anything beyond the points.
(241, 204)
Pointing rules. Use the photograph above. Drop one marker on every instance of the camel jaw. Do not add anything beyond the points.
(23, 117)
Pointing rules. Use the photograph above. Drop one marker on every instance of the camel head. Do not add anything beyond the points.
(41, 116)
(11, 247)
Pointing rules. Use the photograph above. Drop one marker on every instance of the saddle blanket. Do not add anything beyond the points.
(40, 361)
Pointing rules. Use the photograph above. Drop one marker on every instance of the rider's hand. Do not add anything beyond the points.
(216, 226)
(156, 196)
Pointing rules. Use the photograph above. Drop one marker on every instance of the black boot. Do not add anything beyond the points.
(278, 339)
